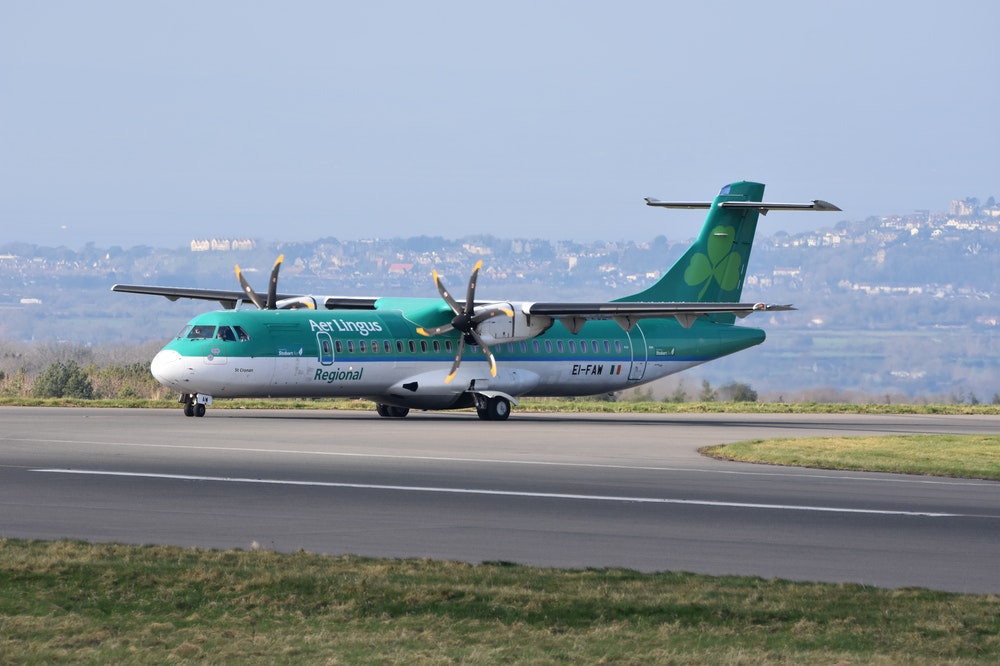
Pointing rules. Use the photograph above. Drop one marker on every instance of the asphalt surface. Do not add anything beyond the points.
(552, 490)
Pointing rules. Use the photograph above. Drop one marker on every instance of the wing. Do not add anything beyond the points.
(573, 315)
(232, 299)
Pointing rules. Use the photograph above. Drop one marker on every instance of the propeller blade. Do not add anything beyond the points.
(489, 314)
(486, 351)
(457, 362)
(248, 289)
(437, 330)
(470, 295)
(272, 287)
(452, 303)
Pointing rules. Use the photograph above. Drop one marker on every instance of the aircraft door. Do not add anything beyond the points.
(325, 345)
(637, 343)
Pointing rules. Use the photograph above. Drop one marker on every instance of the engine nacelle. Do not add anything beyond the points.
(520, 326)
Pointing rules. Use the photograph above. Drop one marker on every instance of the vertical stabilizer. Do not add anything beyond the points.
(714, 267)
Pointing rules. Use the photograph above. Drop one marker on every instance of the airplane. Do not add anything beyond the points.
(411, 353)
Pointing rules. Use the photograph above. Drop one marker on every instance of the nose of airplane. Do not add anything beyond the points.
(168, 368)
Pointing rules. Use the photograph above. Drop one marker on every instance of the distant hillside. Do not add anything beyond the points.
(897, 306)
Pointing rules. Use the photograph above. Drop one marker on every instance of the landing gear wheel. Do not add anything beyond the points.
(390, 412)
(189, 407)
(199, 410)
(496, 408)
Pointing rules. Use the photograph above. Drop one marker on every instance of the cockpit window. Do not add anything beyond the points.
(241, 333)
(183, 332)
(201, 333)
(226, 334)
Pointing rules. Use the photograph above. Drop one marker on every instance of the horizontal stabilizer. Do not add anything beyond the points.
(762, 206)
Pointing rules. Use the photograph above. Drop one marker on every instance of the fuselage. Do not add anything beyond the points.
(378, 354)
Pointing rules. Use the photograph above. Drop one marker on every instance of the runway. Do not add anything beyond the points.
(544, 489)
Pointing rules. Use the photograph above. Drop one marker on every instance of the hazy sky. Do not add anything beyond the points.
(157, 122)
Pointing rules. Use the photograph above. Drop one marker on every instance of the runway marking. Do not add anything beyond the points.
(778, 471)
(498, 493)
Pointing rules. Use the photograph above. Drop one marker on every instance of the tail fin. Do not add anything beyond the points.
(714, 267)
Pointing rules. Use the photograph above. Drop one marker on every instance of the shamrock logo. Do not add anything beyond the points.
(721, 265)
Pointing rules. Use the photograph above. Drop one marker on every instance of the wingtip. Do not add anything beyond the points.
(825, 205)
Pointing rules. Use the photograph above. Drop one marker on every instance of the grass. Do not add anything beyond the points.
(539, 405)
(73, 602)
(966, 456)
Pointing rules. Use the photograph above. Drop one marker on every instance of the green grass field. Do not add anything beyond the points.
(71, 602)
(967, 456)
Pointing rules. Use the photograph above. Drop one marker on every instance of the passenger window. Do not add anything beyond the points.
(375, 347)
(607, 347)
(386, 347)
(350, 346)
(559, 346)
(413, 347)
(618, 345)
(423, 346)
(548, 346)
(339, 346)
(593, 346)
(534, 346)
(399, 346)
(572, 346)
(437, 346)
(362, 347)
(447, 345)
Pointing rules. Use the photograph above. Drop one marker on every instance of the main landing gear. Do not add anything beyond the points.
(390, 412)
(195, 403)
(495, 408)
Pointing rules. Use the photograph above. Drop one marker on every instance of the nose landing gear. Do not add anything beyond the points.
(195, 403)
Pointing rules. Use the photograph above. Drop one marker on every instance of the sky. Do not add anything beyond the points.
(153, 123)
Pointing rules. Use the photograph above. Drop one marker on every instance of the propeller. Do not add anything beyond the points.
(272, 287)
(465, 321)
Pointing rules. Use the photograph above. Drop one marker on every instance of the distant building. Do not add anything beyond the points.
(222, 244)
(962, 208)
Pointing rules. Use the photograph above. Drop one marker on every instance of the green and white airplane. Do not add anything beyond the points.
(409, 353)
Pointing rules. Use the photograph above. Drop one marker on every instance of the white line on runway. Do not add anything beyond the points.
(501, 493)
(884, 477)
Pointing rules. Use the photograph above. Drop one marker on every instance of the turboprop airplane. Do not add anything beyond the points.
(410, 353)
